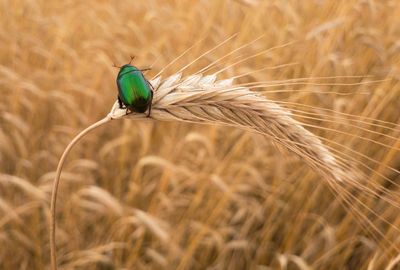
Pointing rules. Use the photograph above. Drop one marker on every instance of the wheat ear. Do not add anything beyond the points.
(202, 99)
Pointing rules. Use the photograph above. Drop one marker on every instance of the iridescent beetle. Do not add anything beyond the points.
(135, 93)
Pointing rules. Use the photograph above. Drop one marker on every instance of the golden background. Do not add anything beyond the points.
(182, 196)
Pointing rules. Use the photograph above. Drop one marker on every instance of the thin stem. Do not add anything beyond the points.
(53, 254)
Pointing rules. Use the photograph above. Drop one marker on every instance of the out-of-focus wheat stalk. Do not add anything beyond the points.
(203, 99)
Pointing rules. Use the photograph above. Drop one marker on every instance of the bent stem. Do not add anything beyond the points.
(53, 254)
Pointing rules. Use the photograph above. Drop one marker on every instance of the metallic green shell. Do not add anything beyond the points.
(133, 88)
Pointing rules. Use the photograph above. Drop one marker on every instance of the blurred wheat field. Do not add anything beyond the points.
(167, 195)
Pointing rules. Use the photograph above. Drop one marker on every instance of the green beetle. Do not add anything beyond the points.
(135, 93)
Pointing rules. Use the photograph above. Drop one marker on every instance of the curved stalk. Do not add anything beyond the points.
(53, 254)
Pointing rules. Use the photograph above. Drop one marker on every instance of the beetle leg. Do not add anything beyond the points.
(151, 100)
(120, 102)
(152, 88)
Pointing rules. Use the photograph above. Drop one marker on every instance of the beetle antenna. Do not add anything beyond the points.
(114, 65)
(132, 57)
(145, 69)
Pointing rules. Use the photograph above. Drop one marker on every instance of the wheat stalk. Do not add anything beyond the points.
(203, 99)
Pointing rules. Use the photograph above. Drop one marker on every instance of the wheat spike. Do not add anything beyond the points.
(203, 99)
